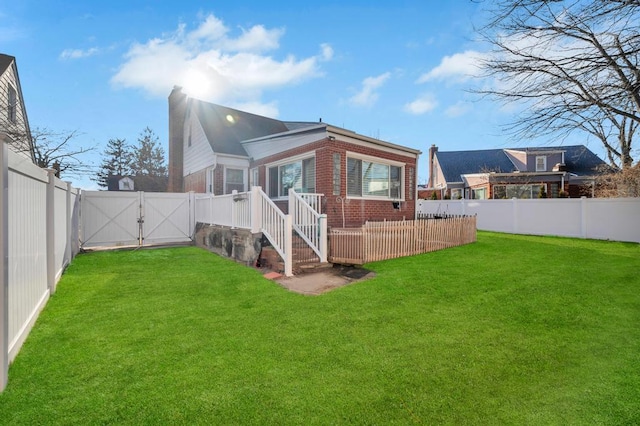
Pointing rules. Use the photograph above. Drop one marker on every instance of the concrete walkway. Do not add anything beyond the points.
(321, 281)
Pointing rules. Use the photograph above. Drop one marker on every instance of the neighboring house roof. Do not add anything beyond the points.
(226, 127)
(579, 160)
(454, 164)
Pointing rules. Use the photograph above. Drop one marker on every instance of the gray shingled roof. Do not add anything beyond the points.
(226, 127)
(454, 164)
(578, 159)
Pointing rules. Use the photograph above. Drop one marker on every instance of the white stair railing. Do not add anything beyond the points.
(275, 225)
(308, 222)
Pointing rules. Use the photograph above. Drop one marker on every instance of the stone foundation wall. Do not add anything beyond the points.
(237, 244)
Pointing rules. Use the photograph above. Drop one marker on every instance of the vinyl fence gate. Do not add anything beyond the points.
(114, 219)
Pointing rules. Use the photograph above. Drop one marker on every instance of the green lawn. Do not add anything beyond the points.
(509, 330)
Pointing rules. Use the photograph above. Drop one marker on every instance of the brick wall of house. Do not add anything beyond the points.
(356, 211)
(218, 181)
(196, 182)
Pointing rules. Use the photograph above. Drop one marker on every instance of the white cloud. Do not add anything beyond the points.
(211, 64)
(78, 53)
(457, 67)
(327, 51)
(367, 96)
(422, 105)
(458, 109)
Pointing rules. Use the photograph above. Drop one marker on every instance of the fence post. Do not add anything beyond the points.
(67, 246)
(50, 225)
(583, 216)
(141, 219)
(4, 258)
(234, 208)
(256, 210)
(288, 245)
(322, 224)
(514, 212)
(192, 214)
(292, 205)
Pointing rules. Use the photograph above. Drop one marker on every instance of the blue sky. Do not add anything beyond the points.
(396, 70)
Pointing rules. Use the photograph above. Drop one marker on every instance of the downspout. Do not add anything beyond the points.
(211, 171)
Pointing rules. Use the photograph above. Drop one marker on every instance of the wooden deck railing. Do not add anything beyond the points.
(387, 240)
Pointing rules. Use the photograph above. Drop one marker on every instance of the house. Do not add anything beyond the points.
(14, 124)
(551, 171)
(120, 183)
(216, 149)
(137, 183)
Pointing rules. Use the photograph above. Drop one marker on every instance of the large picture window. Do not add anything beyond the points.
(372, 179)
(517, 191)
(299, 175)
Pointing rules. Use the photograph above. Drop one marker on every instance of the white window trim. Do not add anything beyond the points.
(373, 159)
(377, 160)
(254, 177)
(544, 169)
(288, 160)
(306, 156)
(209, 180)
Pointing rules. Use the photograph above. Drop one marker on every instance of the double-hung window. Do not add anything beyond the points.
(299, 175)
(233, 180)
(369, 178)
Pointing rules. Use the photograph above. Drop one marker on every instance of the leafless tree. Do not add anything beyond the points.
(58, 150)
(572, 65)
(51, 149)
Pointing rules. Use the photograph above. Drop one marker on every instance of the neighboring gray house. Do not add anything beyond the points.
(14, 125)
(514, 172)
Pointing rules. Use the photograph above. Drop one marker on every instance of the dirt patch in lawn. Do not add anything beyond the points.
(321, 280)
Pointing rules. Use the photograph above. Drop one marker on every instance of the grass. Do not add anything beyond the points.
(509, 330)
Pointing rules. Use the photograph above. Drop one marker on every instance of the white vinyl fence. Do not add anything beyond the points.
(614, 219)
(116, 219)
(39, 235)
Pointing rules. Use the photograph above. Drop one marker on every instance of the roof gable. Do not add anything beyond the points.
(225, 128)
(14, 124)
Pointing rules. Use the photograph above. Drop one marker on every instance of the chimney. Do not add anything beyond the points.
(432, 152)
(177, 111)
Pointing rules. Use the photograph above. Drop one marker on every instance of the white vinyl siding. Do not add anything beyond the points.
(199, 155)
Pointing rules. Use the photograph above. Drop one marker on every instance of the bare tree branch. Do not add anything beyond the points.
(570, 65)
